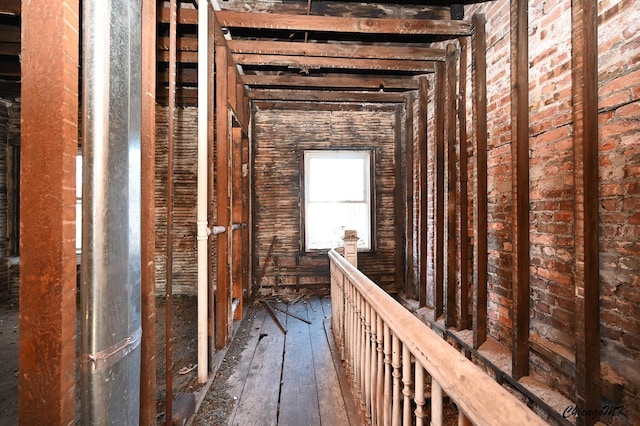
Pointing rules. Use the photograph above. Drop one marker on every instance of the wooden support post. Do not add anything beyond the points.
(211, 211)
(400, 210)
(148, 232)
(479, 58)
(49, 145)
(236, 219)
(520, 171)
(422, 189)
(452, 190)
(169, 262)
(246, 188)
(439, 190)
(223, 294)
(585, 129)
(351, 246)
(463, 322)
(409, 229)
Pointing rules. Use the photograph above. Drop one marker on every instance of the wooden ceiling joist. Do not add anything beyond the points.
(181, 56)
(352, 83)
(10, 7)
(336, 50)
(185, 16)
(183, 75)
(274, 21)
(304, 62)
(315, 96)
(183, 43)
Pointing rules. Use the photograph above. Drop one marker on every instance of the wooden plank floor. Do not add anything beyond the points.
(294, 378)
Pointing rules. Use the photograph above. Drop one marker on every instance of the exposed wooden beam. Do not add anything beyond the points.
(183, 43)
(49, 141)
(10, 33)
(314, 62)
(183, 75)
(277, 95)
(235, 174)
(10, 49)
(329, 82)
(479, 58)
(463, 322)
(520, 172)
(9, 68)
(148, 349)
(421, 140)
(336, 50)
(223, 202)
(409, 193)
(185, 16)
(183, 56)
(10, 7)
(439, 113)
(232, 19)
(584, 36)
(303, 105)
(452, 185)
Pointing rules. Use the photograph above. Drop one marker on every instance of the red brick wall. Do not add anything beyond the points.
(619, 106)
(553, 195)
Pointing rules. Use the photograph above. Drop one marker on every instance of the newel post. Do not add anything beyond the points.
(351, 247)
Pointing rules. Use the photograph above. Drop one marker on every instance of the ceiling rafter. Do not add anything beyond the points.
(336, 50)
(314, 62)
(332, 82)
(275, 21)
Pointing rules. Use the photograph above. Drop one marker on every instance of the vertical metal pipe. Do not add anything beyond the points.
(110, 291)
(203, 276)
(169, 264)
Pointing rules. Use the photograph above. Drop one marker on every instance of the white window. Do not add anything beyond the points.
(337, 197)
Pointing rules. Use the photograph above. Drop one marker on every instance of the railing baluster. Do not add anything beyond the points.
(406, 389)
(380, 379)
(396, 415)
(374, 367)
(356, 343)
(389, 353)
(360, 352)
(363, 356)
(419, 394)
(386, 412)
(436, 404)
(367, 360)
(463, 420)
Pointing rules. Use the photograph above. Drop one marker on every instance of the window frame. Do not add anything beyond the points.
(371, 154)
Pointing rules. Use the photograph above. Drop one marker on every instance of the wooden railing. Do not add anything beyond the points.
(389, 354)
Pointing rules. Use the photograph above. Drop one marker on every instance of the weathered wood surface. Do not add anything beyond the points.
(231, 19)
(298, 393)
(292, 379)
(258, 401)
(476, 394)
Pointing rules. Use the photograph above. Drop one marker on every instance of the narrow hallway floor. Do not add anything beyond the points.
(277, 378)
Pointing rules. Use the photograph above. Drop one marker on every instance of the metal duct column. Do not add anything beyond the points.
(110, 291)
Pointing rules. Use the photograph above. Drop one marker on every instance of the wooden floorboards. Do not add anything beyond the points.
(293, 378)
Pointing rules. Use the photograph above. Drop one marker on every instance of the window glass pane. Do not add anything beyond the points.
(337, 187)
(328, 221)
(336, 179)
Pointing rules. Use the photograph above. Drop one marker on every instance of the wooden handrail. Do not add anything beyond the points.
(381, 341)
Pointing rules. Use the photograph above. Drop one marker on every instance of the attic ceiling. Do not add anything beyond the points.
(286, 45)
(322, 48)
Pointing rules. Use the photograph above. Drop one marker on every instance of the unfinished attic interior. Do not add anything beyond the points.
(320, 212)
